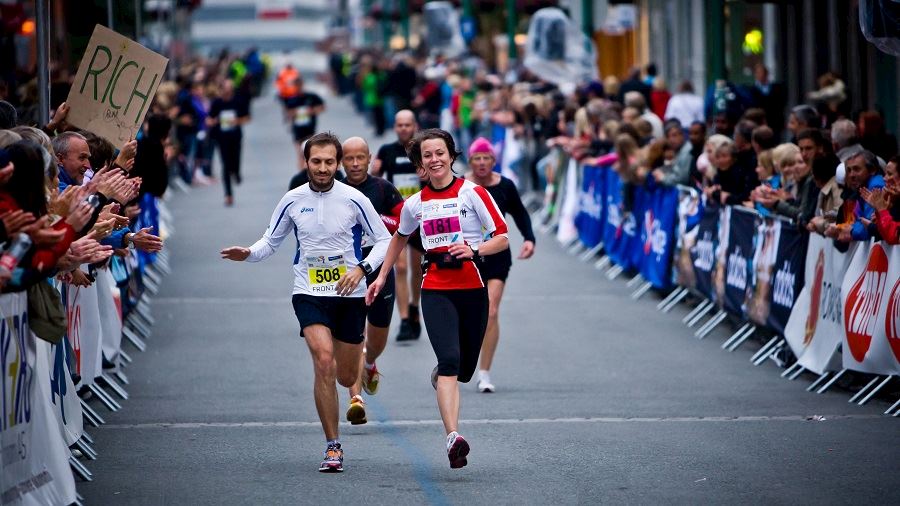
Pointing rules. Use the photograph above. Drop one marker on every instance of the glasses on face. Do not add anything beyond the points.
(481, 158)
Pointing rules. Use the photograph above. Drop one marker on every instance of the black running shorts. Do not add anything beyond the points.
(495, 266)
(382, 308)
(345, 316)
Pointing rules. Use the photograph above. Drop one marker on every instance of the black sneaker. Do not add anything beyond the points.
(415, 328)
(405, 333)
(414, 323)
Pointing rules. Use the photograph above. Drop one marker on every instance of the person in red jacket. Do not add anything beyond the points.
(26, 191)
(886, 203)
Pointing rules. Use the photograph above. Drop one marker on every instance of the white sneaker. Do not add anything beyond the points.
(484, 383)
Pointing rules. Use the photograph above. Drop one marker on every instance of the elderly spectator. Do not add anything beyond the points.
(733, 182)
(862, 173)
(802, 207)
(844, 139)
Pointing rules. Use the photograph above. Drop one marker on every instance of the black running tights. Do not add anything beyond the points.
(456, 321)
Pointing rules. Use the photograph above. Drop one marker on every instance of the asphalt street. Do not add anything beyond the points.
(600, 399)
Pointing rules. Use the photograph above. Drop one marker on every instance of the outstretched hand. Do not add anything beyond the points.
(236, 253)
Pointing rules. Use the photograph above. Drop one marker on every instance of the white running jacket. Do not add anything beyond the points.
(328, 227)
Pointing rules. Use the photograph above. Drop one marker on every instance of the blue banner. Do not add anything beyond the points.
(634, 234)
(658, 236)
(739, 252)
(703, 251)
(591, 215)
(612, 225)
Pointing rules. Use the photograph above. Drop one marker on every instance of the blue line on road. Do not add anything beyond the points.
(421, 466)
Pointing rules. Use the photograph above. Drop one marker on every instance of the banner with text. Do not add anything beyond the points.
(815, 328)
(34, 459)
(871, 301)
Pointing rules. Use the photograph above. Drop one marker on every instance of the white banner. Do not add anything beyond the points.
(110, 314)
(871, 297)
(816, 326)
(64, 397)
(83, 333)
(34, 459)
(569, 208)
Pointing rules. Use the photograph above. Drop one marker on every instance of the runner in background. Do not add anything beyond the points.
(387, 202)
(328, 218)
(303, 109)
(453, 215)
(227, 115)
(286, 84)
(393, 164)
(495, 268)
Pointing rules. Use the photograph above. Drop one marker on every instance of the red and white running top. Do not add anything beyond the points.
(461, 213)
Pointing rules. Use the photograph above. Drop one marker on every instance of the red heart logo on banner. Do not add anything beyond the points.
(892, 321)
(863, 302)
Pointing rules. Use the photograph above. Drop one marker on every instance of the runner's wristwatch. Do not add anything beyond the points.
(365, 267)
(475, 255)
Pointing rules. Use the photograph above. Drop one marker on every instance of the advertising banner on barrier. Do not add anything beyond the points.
(788, 275)
(110, 317)
(83, 332)
(34, 460)
(690, 211)
(612, 226)
(815, 328)
(766, 242)
(591, 208)
(738, 253)
(871, 308)
(633, 236)
(658, 236)
(64, 396)
(704, 251)
(566, 231)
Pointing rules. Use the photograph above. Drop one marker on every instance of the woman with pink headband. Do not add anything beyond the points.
(495, 268)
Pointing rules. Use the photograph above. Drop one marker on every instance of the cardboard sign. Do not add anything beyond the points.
(114, 86)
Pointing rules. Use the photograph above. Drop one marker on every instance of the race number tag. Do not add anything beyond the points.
(301, 116)
(227, 120)
(325, 269)
(440, 223)
(407, 184)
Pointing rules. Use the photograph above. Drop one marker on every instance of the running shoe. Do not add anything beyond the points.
(334, 460)
(415, 328)
(405, 333)
(434, 376)
(356, 413)
(370, 379)
(457, 450)
(415, 325)
(484, 384)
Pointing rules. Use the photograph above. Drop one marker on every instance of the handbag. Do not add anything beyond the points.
(46, 315)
